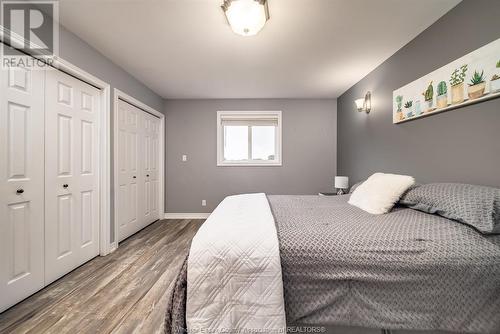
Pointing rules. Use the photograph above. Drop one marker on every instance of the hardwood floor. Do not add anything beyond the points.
(124, 292)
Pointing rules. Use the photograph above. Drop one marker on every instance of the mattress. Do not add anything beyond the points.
(402, 270)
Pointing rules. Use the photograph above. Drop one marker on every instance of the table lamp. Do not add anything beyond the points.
(342, 184)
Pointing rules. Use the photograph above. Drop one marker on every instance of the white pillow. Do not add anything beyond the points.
(379, 193)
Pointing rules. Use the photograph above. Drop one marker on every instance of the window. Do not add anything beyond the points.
(249, 138)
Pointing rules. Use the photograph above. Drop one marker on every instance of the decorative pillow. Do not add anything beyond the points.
(477, 206)
(379, 193)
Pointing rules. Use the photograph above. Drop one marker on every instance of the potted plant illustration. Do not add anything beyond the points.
(457, 84)
(409, 110)
(399, 103)
(442, 95)
(417, 108)
(477, 86)
(428, 96)
(495, 82)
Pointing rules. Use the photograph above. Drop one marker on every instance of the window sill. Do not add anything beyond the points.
(249, 164)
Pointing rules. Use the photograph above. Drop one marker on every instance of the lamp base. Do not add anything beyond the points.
(340, 191)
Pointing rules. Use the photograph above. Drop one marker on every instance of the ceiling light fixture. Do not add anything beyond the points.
(246, 17)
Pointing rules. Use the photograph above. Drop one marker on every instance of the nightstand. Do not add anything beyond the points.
(327, 194)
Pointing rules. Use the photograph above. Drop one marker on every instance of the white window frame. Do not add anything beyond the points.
(245, 115)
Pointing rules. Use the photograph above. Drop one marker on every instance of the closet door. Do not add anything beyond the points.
(71, 174)
(146, 169)
(155, 167)
(138, 169)
(128, 170)
(150, 168)
(21, 184)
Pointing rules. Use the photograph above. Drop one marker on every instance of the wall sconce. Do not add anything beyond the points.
(364, 104)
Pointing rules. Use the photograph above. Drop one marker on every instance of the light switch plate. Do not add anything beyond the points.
(184, 158)
(203, 202)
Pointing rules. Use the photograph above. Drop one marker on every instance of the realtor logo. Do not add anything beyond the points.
(29, 28)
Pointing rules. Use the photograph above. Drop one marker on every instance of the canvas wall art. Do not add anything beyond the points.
(470, 79)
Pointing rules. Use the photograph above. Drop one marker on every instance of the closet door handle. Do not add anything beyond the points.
(147, 175)
(65, 186)
(19, 191)
(134, 177)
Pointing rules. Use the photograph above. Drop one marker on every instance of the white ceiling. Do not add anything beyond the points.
(308, 49)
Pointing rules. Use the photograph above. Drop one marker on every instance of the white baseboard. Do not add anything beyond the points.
(171, 215)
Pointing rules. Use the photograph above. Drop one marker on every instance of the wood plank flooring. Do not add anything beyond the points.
(124, 292)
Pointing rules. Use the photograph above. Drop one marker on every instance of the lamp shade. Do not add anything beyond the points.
(359, 103)
(341, 182)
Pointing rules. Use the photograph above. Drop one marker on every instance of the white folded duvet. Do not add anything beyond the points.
(234, 280)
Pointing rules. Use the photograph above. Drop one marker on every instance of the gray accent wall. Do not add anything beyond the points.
(462, 145)
(309, 152)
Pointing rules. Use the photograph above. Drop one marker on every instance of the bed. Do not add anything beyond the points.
(342, 266)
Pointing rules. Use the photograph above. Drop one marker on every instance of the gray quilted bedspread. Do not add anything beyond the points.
(402, 270)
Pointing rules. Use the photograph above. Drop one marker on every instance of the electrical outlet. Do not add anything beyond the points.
(203, 202)
(184, 158)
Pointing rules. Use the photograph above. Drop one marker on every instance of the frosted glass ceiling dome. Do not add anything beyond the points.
(246, 17)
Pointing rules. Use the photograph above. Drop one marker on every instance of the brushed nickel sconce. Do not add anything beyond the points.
(364, 104)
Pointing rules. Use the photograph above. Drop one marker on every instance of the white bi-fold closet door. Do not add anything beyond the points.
(48, 178)
(138, 169)
(21, 184)
(71, 174)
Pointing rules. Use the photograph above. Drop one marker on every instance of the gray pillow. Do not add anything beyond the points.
(477, 206)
